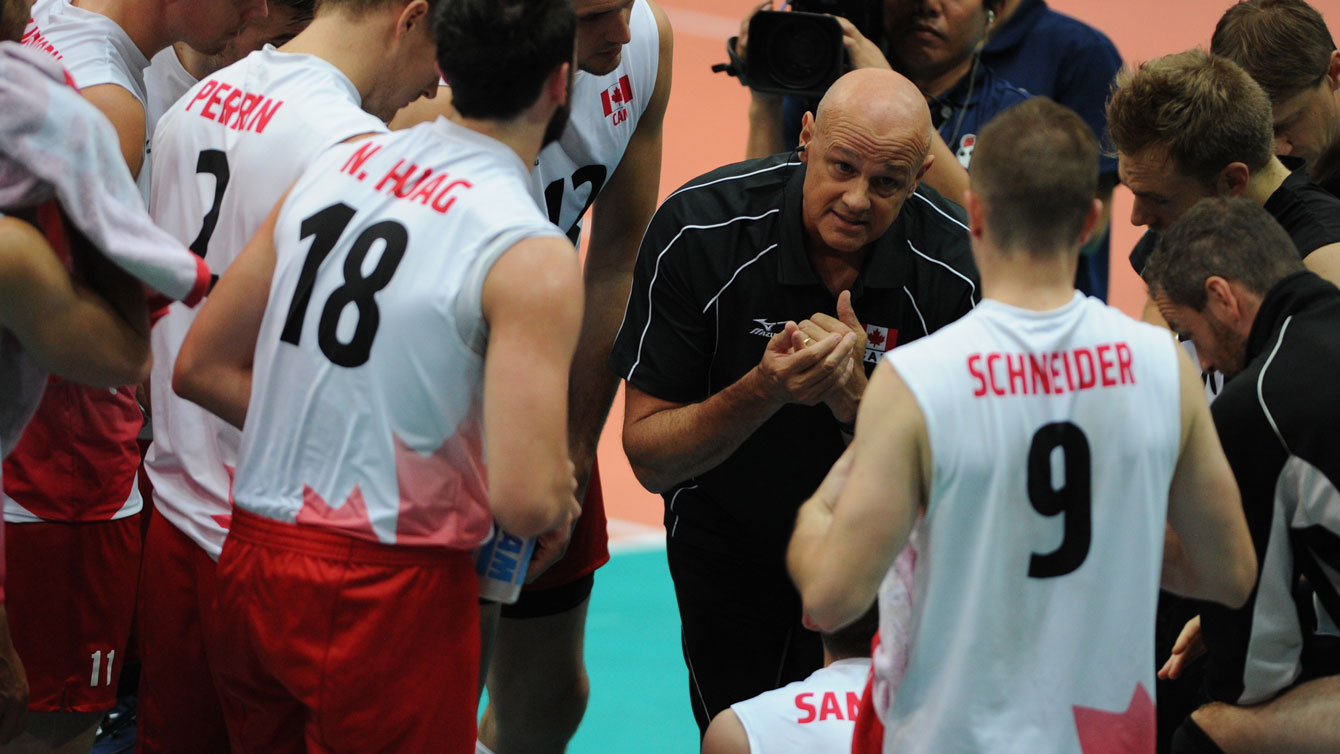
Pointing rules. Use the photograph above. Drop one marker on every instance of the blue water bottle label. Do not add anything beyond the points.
(501, 566)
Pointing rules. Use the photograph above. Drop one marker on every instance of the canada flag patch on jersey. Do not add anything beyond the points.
(616, 99)
(877, 341)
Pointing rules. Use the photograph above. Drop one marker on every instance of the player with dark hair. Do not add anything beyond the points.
(223, 155)
(607, 160)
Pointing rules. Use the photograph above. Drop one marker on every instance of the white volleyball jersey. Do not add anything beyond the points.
(366, 402)
(605, 113)
(817, 714)
(223, 156)
(1053, 439)
(94, 49)
(165, 81)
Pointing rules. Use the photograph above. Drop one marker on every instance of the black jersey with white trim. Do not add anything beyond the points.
(1276, 423)
(721, 269)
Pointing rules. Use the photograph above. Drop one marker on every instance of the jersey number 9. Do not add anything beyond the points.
(1072, 499)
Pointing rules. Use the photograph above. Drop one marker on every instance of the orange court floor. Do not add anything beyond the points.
(706, 125)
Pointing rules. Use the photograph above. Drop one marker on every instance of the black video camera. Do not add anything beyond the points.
(801, 52)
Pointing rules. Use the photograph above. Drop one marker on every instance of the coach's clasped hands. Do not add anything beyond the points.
(821, 359)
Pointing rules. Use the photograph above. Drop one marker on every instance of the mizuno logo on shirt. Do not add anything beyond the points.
(767, 329)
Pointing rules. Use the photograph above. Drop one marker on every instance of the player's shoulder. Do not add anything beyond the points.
(664, 31)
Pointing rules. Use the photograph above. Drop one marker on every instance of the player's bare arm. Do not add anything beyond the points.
(532, 302)
(1325, 261)
(668, 442)
(214, 366)
(127, 117)
(1213, 558)
(67, 328)
(848, 534)
(726, 735)
(620, 217)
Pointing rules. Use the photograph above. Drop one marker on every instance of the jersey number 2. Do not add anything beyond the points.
(1072, 499)
(358, 289)
(214, 162)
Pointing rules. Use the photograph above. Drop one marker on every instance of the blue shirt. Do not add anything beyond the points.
(960, 113)
(1053, 55)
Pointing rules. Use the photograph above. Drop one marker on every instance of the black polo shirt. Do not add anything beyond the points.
(1276, 421)
(1309, 213)
(722, 268)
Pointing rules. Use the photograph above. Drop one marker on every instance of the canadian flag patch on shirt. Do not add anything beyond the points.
(615, 100)
(877, 341)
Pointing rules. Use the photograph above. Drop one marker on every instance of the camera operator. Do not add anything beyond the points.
(935, 44)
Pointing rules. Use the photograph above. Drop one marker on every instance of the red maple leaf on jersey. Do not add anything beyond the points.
(1103, 732)
(875, 338)
(352, 515)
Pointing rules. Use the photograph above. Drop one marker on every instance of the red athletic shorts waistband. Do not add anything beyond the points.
(310, 540)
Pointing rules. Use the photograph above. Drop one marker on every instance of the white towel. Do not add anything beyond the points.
(54, 144)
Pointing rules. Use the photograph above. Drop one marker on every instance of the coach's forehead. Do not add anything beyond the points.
(880, 112)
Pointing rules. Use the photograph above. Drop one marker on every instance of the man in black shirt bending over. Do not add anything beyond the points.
(1227, 277)
(762, 294)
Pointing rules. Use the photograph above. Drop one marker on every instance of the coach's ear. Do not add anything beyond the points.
(806, 136)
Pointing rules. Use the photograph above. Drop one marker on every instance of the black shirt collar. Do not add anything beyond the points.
(882, 266)
(1289, 296)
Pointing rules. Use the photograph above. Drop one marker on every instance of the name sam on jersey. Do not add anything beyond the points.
(406, 180)
(234, 108)
(827, 708)
(1106, 365)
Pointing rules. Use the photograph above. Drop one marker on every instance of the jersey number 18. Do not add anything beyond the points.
(358, 289)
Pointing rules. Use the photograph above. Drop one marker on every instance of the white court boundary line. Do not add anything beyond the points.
(631, 536)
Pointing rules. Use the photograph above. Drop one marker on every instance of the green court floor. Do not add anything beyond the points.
(639, 687)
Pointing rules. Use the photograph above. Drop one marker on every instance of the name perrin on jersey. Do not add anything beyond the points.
(224, 154)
